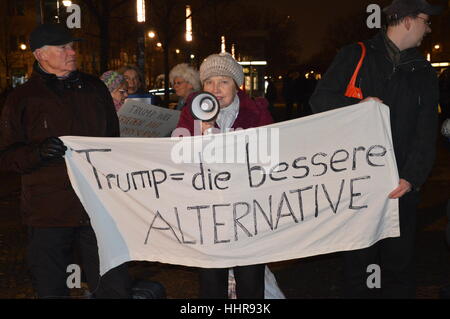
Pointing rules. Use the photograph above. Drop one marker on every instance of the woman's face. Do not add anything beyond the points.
(182, 88)
(120, 94)
(222, 87)
(133, 81)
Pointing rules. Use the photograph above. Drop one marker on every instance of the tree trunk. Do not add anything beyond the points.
(166, 72)
(104, 43)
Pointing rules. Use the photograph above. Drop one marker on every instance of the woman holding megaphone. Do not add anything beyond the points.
(225, 108)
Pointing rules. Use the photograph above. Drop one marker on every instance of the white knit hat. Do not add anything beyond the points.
(222, 64)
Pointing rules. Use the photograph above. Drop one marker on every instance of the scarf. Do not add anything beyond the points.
(228, 115)
(393, 52)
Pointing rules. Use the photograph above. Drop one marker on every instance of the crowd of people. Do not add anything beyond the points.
(60, 100)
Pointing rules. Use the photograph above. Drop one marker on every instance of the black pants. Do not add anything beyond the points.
(249, 282)
(51, 250)
(393, 255)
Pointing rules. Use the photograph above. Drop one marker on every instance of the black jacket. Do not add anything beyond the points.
(410, 89)
(45, 106)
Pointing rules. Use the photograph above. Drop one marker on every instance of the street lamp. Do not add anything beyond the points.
(188, 24)
(140, 6)
(151, 34)
(66, 3)
(22, 48)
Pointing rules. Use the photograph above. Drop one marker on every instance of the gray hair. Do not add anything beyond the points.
(186, 72)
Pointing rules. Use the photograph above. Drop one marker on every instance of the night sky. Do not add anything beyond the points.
(314, 16)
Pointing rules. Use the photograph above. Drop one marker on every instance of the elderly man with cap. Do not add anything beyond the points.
(395, 73)
(57, 100)
(222, 76)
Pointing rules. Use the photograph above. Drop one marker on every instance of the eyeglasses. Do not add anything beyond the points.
(426, 21)
(123, 92)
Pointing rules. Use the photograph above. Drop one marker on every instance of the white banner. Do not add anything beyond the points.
(139, 119)
(306, 187)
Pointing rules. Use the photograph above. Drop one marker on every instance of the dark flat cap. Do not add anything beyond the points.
(50, 34)
(403, 8)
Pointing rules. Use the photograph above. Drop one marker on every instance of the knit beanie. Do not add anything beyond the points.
(222, 64)
(112, 79)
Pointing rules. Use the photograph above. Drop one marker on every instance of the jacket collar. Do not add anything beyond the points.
(58, 85)
(378, 43)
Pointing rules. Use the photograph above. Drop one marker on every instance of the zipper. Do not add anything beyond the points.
(395, 67)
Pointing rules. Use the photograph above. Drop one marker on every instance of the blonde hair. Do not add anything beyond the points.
(188, 73)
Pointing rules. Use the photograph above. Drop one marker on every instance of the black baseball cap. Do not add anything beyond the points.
(50, 34)
(404, 8)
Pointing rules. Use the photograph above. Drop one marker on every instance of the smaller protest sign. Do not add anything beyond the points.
(140, 119)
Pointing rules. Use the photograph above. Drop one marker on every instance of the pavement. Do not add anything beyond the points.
(306, 278)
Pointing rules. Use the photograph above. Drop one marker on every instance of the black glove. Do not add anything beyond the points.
(51, 148)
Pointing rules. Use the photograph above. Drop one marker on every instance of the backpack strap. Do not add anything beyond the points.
(352, 90)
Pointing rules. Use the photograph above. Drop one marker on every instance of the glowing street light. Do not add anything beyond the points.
(140, 17)
(151, 34)
(23, 46)
(67, 3)
(188, 24)
(140, 5)
(177, 51)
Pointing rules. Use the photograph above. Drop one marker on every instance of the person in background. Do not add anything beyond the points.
(135, 79)
(57, 100)
(395, 73)
(185, 80)
(444, 97)
(271, 95)
(117, 86)
(444, 102)
(221, 75)
(136, 85)
(444, 86)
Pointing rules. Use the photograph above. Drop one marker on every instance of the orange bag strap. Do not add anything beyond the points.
(358, 67)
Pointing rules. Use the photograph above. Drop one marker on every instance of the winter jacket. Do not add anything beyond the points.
(252, 113)
(45, 106)
(409, 89)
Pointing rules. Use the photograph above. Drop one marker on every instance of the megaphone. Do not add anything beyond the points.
(205, 107)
